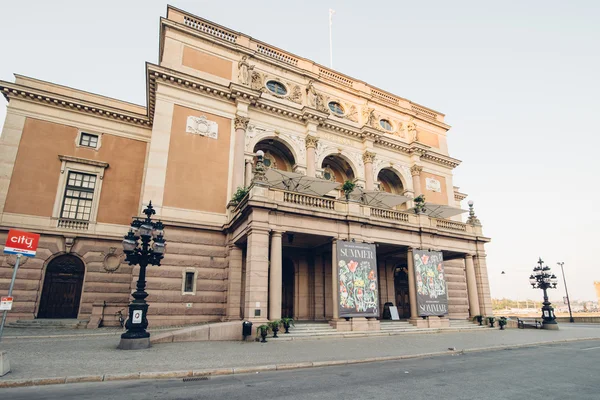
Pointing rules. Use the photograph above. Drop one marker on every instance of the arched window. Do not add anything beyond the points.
(277, 88)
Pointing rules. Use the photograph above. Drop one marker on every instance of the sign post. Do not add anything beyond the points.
(19, 243)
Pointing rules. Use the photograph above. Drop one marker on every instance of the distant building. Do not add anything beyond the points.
(597, 286)
(76, 166)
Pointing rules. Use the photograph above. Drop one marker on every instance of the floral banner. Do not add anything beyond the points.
(432, 294)
(357, 275)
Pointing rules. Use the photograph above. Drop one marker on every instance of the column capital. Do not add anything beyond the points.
(416, 170)
(368, 157)
(311, 141)
(469, 255)
(241, 122)
(277, 232)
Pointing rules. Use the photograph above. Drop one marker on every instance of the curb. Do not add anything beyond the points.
(261, 368)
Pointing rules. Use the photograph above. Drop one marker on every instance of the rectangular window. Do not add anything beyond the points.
(88, 140)
(79, 193)
(189, 282)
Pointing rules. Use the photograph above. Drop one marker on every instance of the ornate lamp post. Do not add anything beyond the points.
(144, 245)
(566, 291)
(542, 279)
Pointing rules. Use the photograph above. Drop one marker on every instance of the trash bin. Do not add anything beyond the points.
(246, 329)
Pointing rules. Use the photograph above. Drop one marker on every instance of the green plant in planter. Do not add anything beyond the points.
(502, 322)
(348, 187)
(274, 326)
(419, 204)
(287, 322)
(478, 318)
(262, 331)
(491, 321)
(239, 195)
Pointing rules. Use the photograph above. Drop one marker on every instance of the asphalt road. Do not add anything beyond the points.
(560, 371)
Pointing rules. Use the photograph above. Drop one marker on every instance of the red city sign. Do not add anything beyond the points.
(19, 242)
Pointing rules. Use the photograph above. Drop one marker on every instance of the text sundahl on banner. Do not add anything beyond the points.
(19, 242)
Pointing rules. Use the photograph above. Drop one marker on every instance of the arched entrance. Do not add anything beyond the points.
(277, 155)
(287, 288)
(62, 288)
(402, 297)
(389, 182)
(337, 169)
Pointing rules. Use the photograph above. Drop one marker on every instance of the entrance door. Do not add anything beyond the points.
(402, 297)
(62, 288)
(287, 288)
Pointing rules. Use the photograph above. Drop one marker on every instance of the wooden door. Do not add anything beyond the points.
(62, 288)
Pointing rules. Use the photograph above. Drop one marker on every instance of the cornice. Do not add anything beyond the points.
(441, 159)
(16, 91)
(80, 160)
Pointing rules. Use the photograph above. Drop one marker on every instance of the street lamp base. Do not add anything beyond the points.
(134, 344)
(553, 326)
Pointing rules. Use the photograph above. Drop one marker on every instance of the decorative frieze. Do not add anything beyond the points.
(202, 126)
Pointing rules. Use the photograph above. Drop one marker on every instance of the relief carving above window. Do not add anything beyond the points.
(202, 126)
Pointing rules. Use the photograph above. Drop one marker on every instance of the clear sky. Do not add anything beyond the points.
(518, 82)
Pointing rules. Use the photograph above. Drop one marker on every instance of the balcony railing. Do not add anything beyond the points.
(341, 207)
(73, 224)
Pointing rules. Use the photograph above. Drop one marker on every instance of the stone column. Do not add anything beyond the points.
(412, 288)
(257, 275)
(275, 277)
(483, 285)
(234, 291)
(335, 288)
(368, 158)
(415, 171)
(311, 146)
(248, 178)
(241, 123)
(472, 286)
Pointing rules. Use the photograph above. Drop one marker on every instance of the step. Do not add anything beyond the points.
(49, 324)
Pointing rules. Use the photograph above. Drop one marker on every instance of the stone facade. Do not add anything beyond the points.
(216, 98)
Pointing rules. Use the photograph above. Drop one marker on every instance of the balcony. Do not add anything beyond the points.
(293, 202)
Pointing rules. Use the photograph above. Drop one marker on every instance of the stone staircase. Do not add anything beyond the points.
(322, 330)
(48, 324)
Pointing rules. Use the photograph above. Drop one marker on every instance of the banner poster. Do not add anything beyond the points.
(357, 275)
(432, 293)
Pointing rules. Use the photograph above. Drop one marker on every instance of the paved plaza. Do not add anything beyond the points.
(89, 355)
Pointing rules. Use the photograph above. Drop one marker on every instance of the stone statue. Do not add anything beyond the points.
(311, 95)
(411, 130)
(352, 114)
(244, 71)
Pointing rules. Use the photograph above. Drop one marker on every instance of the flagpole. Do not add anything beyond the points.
(331, 12)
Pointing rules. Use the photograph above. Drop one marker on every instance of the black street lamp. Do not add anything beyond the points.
(144, 245)
(541, 279)
(566, 291)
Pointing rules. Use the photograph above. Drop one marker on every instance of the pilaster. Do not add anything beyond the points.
(257, 275)
(234, 291)
(275, 277)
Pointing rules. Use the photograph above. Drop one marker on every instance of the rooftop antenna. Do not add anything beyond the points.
(331, 12)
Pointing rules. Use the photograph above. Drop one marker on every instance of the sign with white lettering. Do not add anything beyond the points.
(6, 303)
(432, 293)
(19, 242)
(357, 277)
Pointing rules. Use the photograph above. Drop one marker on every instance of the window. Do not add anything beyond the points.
(188, 285)
(79, 194)
(88, 140)
(277, 88)
(385, 124)
(336, 108)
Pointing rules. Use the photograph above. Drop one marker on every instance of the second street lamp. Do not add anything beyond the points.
(542, 279)
(566, 291)
(144, 245)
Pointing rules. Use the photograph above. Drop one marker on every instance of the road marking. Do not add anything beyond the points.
(592, 348)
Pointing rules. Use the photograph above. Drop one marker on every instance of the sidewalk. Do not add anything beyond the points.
(98, 358)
